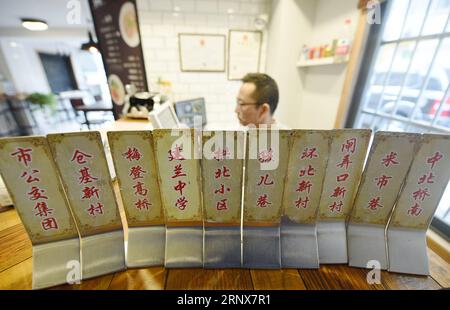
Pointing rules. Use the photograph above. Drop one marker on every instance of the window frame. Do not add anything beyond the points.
(372, 47)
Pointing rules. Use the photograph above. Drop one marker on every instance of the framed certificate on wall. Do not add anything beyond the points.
(201, 52)
(244, 53)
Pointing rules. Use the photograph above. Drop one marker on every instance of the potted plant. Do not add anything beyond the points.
(43, 100)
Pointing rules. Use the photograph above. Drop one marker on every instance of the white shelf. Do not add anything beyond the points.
(323, 61)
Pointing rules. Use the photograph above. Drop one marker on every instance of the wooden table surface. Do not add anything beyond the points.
(16, 271)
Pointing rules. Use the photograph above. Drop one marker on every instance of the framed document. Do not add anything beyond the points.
(201, 52)
(244, 52)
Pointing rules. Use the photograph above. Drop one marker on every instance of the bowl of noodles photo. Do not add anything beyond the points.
(116, 89)
(128, 24)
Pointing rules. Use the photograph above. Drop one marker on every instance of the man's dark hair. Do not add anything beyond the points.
(266, 90)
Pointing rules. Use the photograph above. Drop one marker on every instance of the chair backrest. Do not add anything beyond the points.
(76, 102)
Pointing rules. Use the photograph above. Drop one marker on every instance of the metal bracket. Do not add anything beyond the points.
(407, 250)
(146, 246)
(222, 247)
(298, 245)
(365, 243)
(102, 254)
(50, 262)
(261, 247)
(184, 247)
(332, 242)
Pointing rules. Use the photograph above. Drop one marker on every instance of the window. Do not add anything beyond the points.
(404, 82)
(59, 72)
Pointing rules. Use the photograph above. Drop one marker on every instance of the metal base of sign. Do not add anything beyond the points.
(332, 242)
(222, 247)
(261, 247)
(53, 261)
(184, 247)
(407, 249)
(298, 245)
(146, 246)
(102, 254)
(366, 243)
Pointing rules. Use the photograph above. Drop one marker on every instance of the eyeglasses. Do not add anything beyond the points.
(242, 103)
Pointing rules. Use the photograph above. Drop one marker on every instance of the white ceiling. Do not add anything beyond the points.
(54, 12)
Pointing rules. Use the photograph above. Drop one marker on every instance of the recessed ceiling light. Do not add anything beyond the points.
(34, 24)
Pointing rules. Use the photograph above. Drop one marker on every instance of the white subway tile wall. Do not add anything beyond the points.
(160, 23)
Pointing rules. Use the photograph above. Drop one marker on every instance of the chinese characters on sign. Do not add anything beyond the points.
(423, 183)
(135, 166)
(383, 179)
(84, 172)
(36, 193)
(265, 156)
(136, 174)
(89, 192)
(426, 181)
(179, 174)
(266, 170)
(32, 180)
(348, 148)
(222, 176)
(389, 160)
(346, 160)
(117, 30)
(307, 164)
(222, 203)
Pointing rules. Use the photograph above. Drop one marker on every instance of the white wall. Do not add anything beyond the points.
(290, 27)
(5, 75)
(25, 66)
(159, 29)
(27, 74)
(309, 97)
(323, 84)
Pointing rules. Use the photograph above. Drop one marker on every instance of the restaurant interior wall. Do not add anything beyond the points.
(309, 96)
(162, 20)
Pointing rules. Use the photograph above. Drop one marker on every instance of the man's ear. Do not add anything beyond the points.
(265, 109)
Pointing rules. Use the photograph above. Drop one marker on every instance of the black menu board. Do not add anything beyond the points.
(117, 28)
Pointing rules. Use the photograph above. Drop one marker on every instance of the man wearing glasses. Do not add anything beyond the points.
(257, 100)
